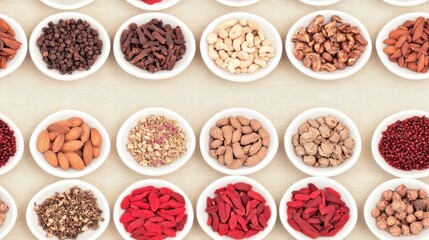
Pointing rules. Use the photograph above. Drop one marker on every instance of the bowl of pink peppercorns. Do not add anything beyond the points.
(153, 5)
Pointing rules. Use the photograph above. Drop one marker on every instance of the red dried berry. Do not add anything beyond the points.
(7, 143)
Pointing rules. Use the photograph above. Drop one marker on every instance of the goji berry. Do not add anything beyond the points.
(236, 234)
(151, 1)
(256, 196)
(126, 202)
(242, 186)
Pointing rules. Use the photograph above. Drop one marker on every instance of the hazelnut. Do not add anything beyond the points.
(398, 206)
(406, 230)
(401, 190)
(375, 212)
(422, 194)
(400, 216)
(419, 204)
(391, 220)
(382, 205)
(416, 227)
(419, 214)
(411, 218)
(389, 210)
(387, 195)
(396, 197)
(409, 209)
(425, 222)
(412, 194)
(395, 231)
(382, 224)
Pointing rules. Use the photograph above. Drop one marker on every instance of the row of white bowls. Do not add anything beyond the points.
(270, 32)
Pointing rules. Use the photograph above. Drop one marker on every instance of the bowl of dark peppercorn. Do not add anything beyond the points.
(69, 46)
(400, 144)
(11, 145)
(154, 46)
(9, 209)
(67, 4)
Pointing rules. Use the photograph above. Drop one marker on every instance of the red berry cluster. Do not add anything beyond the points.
(7, 143)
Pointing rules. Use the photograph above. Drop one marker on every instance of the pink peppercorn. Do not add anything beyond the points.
(7, 143)
(405, 144)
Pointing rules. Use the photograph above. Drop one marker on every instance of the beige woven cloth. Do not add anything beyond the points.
(110, 95)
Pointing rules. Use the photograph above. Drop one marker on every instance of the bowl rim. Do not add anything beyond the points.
(12, 213)
(22, 52)
(322, 172)
(157, 183)
(53, 4)
(405, 4)
(67, 184)
(70, 173)
(129, 160)
(345, 194)
(320, 3)
(165, 74)
(237, 4)
(223, 181)
(376, 194)
(267, 124)
(392, 66)
(243, 77)
(322, 75)
(155, 7)
(41, 65)
(376, 137)
(20, 145)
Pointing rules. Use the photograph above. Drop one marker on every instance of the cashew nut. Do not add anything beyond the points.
(250, 38)
(223, 54)
(261, 34)
(245, 64)
(253, 68)
(228, 43)
(236, 44)
(243, 22)
(246, 48)
(212, 38)
(253, 25)
(266, 49)
(221, 46)
(266, 42)
(213, 53)
(223, 33)
(242, 55)
(234, 63)
(260, 62)
(235, 31)
(219, 62)
(227, 24)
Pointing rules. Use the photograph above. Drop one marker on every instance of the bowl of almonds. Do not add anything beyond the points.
(69, 144)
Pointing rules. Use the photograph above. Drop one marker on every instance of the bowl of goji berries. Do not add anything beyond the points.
(318, 207)
(153, 5)
(153, 209)
(235, 3)
(236, 207)
(11, 145)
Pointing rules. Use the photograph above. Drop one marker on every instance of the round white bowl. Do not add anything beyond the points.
(20, 36)
(323, 75)
(209, 191)
(376, 137)
(164, 4)
(235, 3)
(374, 198)
(13, 161)
(131, 122)
(250, 114)
(66, 4)
(405, 3)
(62, 186)
(70, 173)
(180, 65)
(118, 211)
(270, 32)
(319, 2)
(384, 34)
(36, 56)
(321, 183)
(11, 215)
(314, 113)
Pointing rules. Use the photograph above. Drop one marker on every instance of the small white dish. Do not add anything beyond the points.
(11, 215)
(317, 171)
(320, 183)
(237, 3)
(270, 32)
(13, 161)
(131, 122)
(319, 3)
(384, 34)
(376, 137)
(209, 191)
(62, 186)
(164, 4)
(36, 56)
(323, 75)
(250, 114)
(405, 3)
(70, 173)
(180, 65)
(66, 4)
(118, 211)
(20, 36)
(375, 197)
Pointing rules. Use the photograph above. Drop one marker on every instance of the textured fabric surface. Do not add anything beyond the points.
(110, 95)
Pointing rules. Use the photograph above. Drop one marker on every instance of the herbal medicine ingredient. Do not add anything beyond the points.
(9, 46)
(150, 2)
(4, 208)
(7, 143)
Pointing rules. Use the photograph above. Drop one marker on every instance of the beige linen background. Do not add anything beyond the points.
(111, 96)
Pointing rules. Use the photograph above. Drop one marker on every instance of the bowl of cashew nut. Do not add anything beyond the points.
(241, 47)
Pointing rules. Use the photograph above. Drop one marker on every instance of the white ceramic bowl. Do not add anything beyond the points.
(250, 114)
(237, 3)
(323, 75)
(62, 186)
(13, 161)
(384, 34)
(67, 4)
(317, 171)
(375, 197)
(321, 183)
(20, 36)
(376, 137)
(202, 215)
(164, 4)
(180, 66)
(70, 173)
(405, 3)
(319, 2)
(36, 56)
(11, 215)
(131, 122)
(118, 211)
(270, 32)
